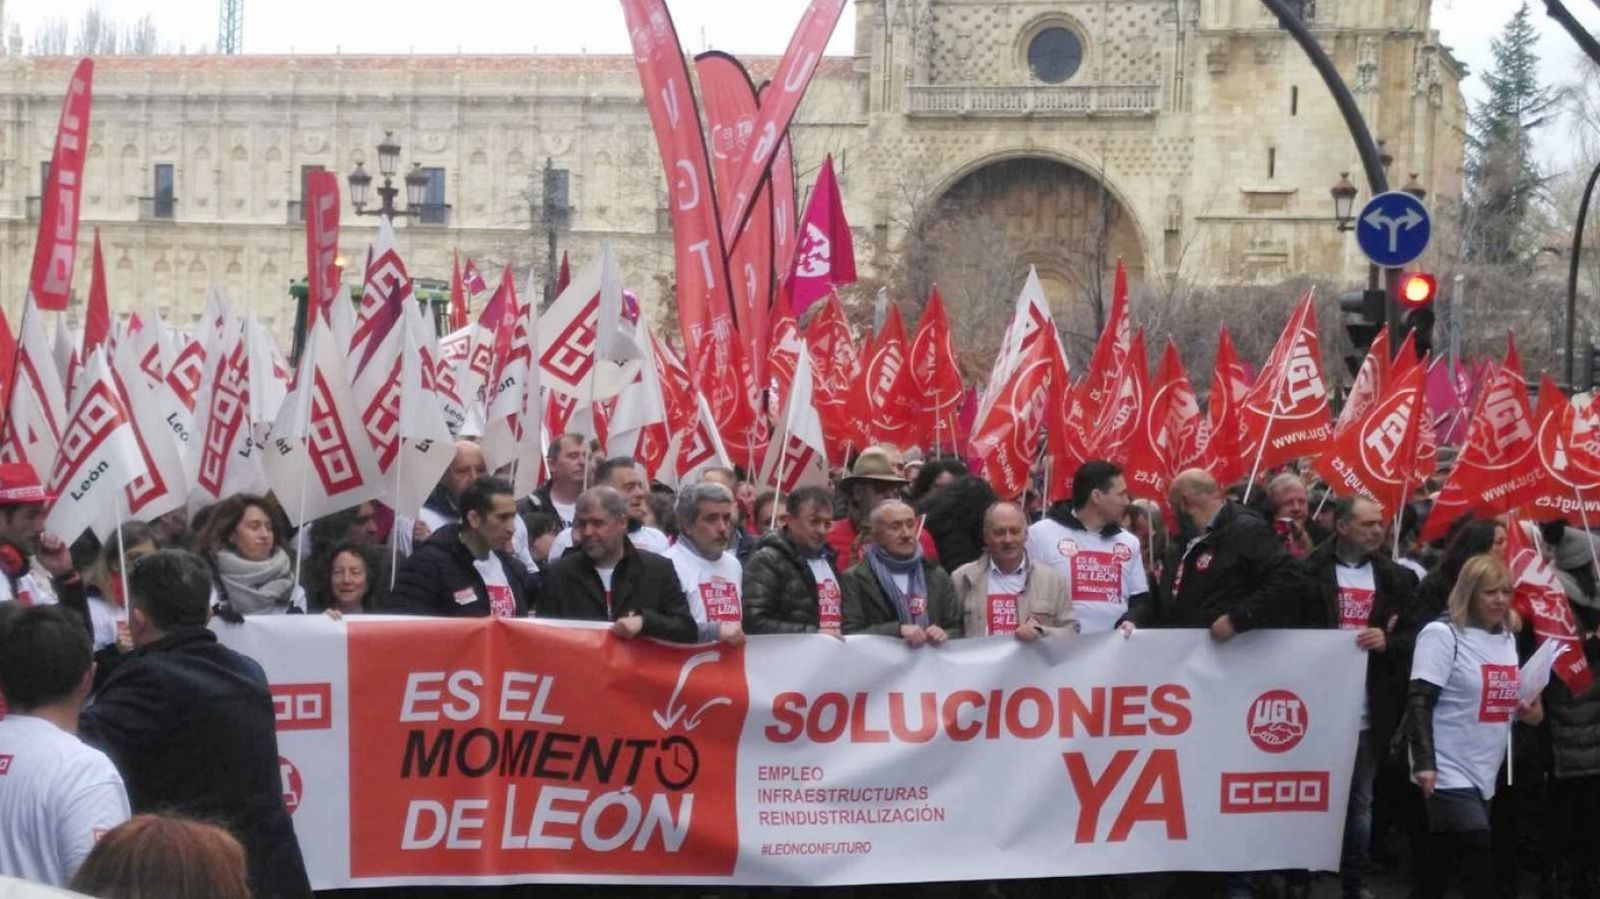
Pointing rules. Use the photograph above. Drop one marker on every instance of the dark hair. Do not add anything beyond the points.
(319, 573)
(809, 496)
(931, 471)
(554, 452)
(479, 496)
(1474, 538)
(762, 498)
(1135, 513)
(223, 519)
(602, 474)
(172, 587)
(955, 519)
(1095, 474)
(133, 533)
(44, 653)
(541, 523)
(663, 506)
(1344, 511)
(165, 856)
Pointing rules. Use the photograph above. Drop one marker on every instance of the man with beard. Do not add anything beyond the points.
(707, 571)
(610, 579)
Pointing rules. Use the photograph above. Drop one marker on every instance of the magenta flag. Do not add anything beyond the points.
(1447, 403)
(825, 254)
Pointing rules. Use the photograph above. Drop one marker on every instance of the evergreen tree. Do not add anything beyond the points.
(1504, 183)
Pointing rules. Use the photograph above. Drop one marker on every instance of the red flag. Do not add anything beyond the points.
(1285, 415)
(1568, 441)
(705, 306)
(1122, 409)
(789, 82)
(935, 374)
(1067, 436)
(783, 353)
(889, 386)
(1112, 348)
(1406, 357)
(1497, 470)
(322, 241)
(825, 255)
(56, 247)
(834, 364)
(1538, 597)
(97, 317)
(1375, 455)
(459, 316)
(1175, 427)
(784, 213)
(472, 279)
(1371, 383)
(1229, 386)
(8, 359)
(1007, 439)
(730, 102)
(563, 274)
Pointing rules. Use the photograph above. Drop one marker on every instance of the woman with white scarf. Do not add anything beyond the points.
(254, 572)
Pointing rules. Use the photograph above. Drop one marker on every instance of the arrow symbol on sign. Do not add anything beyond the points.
(1376, 219)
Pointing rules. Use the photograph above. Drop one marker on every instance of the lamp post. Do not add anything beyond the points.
(1344, 202)
(388, 160)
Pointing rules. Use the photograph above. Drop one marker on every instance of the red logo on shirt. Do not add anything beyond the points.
(5, 763)
(1355, 607)
(1096, 576)
(1277, 721)
(918, 605)
(1122, 552)
(1067, 547)
(1499, 698)
(828, 612)
(1003, 613)
(721, 600)
(1202, 562)
(502, 602)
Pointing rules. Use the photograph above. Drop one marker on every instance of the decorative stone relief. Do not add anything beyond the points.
(313, 141)
(1366, 65)
(1217, 55)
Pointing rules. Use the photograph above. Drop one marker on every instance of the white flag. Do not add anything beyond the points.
(269, 378)
(224, 457)
(698, 447)
(342, 319)
(38, 411)
(317, 459)
(617, 339)
(567, 338)
(425, 446)
(802, 459)
(161, 427)
(1031, 316)
(99, 456)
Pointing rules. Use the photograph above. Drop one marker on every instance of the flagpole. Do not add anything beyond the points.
(394, 539)
(1583, 514)
(122, 562)
(1399, 512)
(305, 430)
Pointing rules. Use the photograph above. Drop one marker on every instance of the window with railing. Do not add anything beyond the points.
(161, 203)
(434, 210)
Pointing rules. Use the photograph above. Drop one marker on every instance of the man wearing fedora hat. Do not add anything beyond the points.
(25, 547)
(872, 480)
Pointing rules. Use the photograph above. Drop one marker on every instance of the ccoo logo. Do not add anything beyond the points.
(1277, 721)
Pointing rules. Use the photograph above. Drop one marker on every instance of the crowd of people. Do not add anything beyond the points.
(138, 755)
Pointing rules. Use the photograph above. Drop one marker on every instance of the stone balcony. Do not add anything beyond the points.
(1053, 101)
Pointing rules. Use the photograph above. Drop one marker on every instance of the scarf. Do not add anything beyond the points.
(255, 588)
(885, 566)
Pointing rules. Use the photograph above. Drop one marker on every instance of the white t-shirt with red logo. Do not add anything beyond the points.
(1003, 611)
(711, 586)
(830, 611)
(502, 602)
(1357, 592)
(57, 797)
(1476, 673)
(1101, 572)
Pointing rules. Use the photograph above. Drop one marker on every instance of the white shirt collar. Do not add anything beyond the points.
(994, 570)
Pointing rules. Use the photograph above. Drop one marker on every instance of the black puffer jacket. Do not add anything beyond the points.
(780, 592)
(1236, 568)
(439, 577)
(1574, 723)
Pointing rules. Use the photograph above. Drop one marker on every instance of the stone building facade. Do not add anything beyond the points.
(1189, 137)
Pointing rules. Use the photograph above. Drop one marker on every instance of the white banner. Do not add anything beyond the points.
(486, 751)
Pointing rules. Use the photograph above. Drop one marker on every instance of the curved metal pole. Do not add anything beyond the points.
(1366, 147)
(1572, 274)
(1586, 42)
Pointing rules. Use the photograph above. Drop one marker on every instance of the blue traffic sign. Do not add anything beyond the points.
(1393, 228)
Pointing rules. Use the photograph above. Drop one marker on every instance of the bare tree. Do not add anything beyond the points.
(50, 38)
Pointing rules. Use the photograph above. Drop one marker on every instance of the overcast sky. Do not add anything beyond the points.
(595, 26)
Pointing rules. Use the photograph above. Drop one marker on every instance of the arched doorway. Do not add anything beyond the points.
(978, 238)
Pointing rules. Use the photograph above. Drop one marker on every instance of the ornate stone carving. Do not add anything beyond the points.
(1366, 65)
(1218, 52)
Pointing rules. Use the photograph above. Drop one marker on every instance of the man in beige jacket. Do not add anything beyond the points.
(1004, 592)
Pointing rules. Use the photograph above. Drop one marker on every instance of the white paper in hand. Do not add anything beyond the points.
(1535, 674)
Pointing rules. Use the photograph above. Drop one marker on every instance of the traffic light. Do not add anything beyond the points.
(1416, 293)
(1364, 318)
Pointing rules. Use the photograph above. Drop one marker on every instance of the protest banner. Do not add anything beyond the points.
(496, 751)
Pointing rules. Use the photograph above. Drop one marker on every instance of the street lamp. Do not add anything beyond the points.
(1344, 202)
(416, 182)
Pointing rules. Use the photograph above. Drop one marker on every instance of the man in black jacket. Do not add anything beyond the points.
(461, 570)
(791, 585)
(894, 590)
(568, 461)
(1352, 585)
(1228, 575)
(611, 580)
(190, 725)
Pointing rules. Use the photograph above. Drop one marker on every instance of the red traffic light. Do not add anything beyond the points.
(1417, 290)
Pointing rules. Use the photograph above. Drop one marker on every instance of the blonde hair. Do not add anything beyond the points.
(1480, 573)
